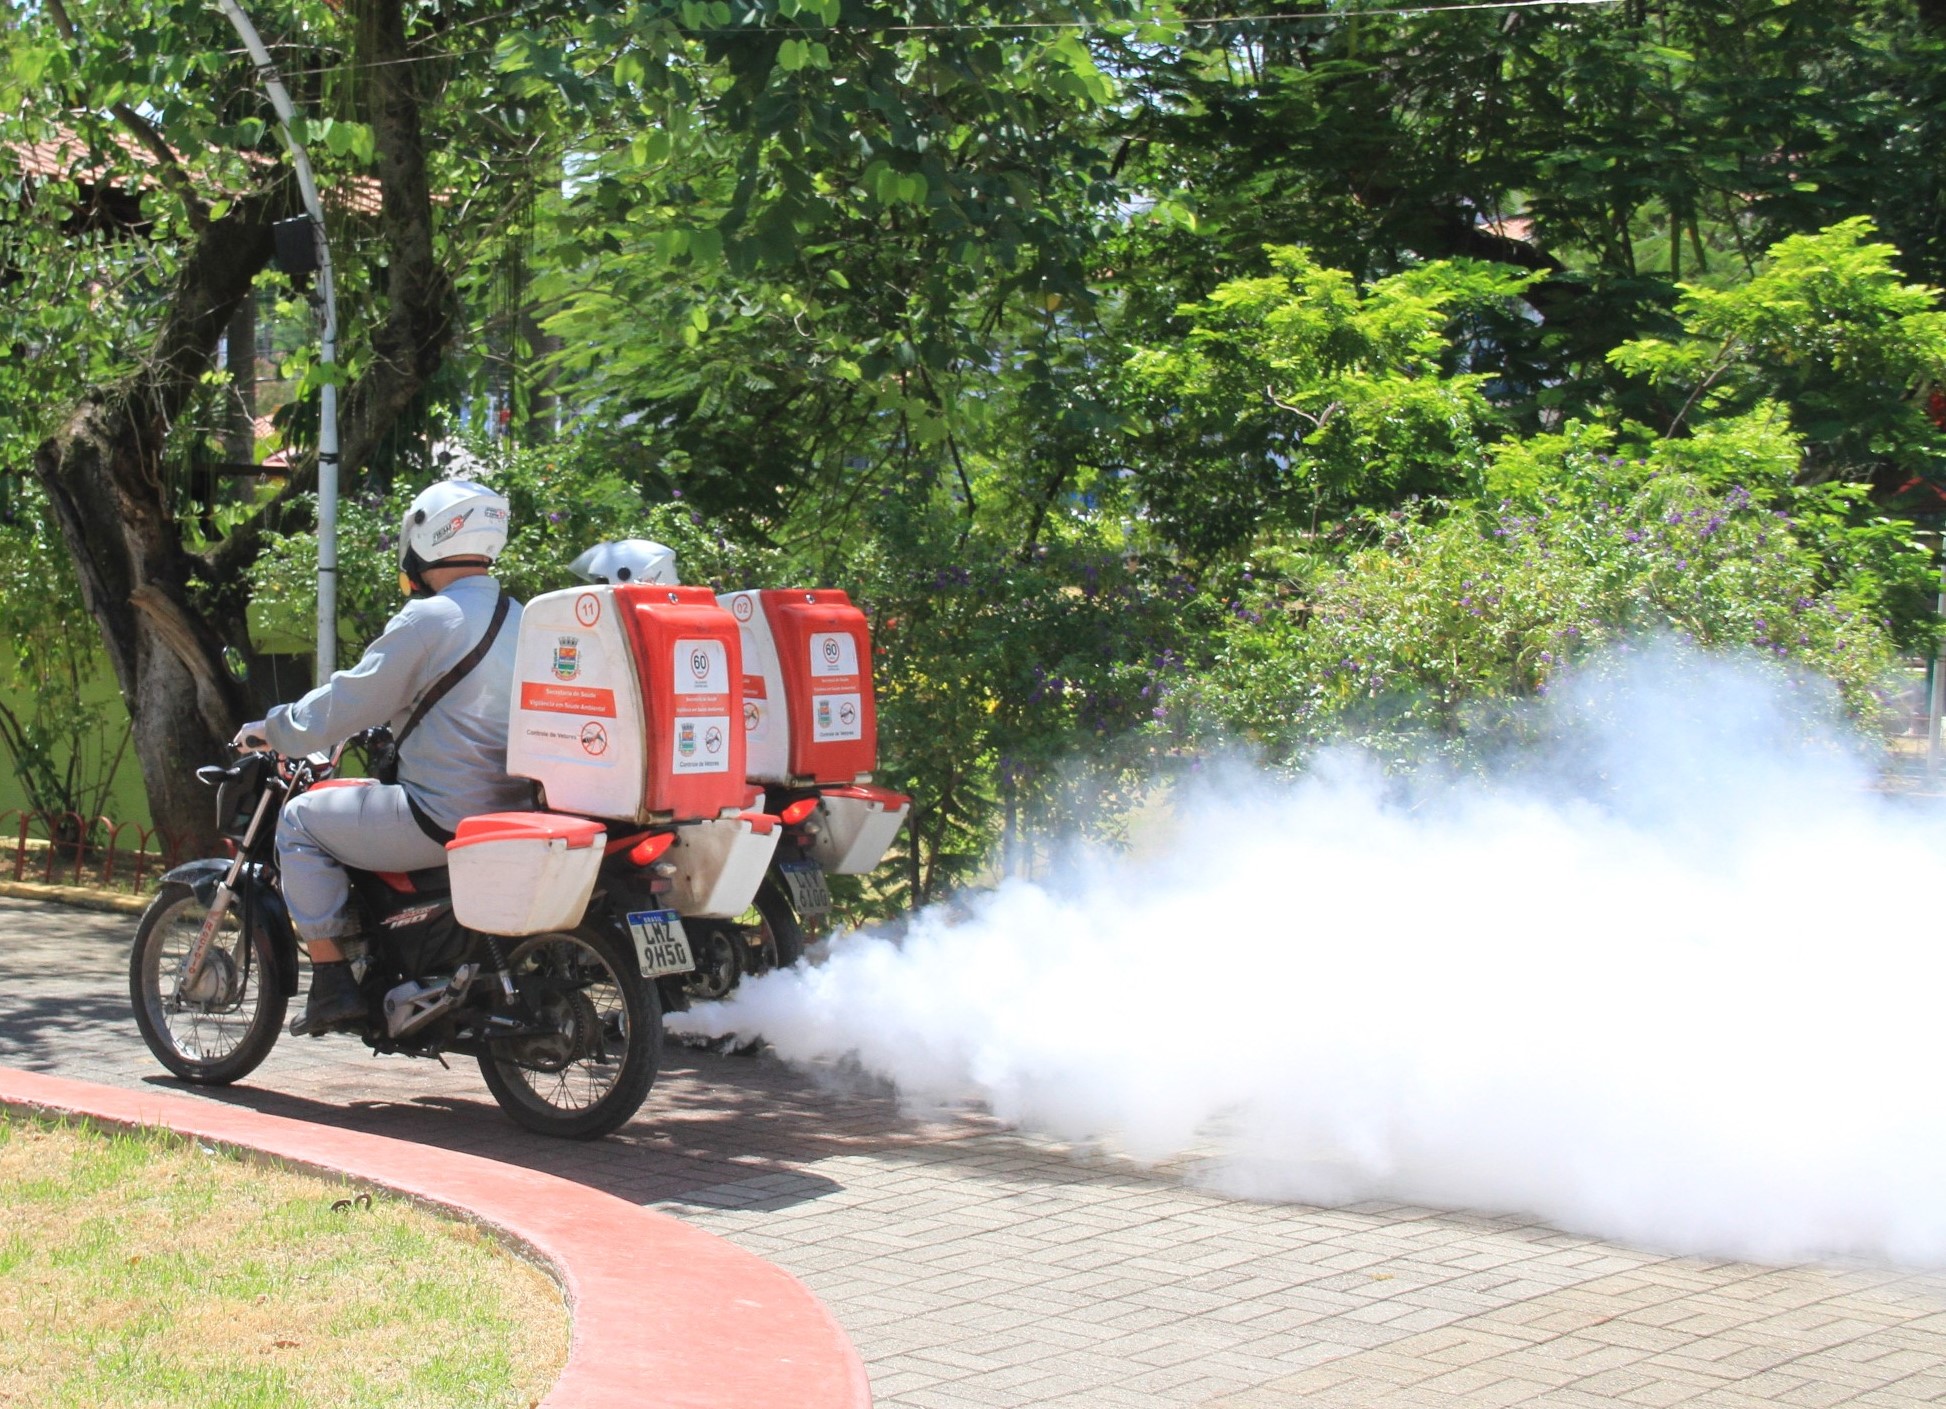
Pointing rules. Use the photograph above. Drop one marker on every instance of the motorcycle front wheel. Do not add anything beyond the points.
(219, 1031)
(592, 1063)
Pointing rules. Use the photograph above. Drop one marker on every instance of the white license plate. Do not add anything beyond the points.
(805, 881)
(660, 943)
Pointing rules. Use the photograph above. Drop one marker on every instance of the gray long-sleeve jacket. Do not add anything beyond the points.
(455, 763)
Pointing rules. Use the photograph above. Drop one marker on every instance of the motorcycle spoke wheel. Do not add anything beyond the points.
(717, 965)
(220, 1029)
(591, 1066)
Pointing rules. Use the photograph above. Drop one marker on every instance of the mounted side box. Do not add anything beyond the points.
(808, 710)
(624, 702)
(523, 872)
(720, 863)
(855, 826)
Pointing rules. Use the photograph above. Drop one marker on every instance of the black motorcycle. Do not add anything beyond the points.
(567, 1027)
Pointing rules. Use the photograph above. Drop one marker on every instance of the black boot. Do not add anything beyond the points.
(333, 1002)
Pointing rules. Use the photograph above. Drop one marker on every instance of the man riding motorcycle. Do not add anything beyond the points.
(446, 702)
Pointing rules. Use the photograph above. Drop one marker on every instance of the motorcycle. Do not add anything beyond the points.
(792, 903)
(566, 1025)
(843, 829)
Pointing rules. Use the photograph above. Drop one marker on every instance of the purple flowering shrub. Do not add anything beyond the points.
(1441, 619)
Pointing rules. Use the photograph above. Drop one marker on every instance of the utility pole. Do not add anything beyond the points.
(1936, 703)
(280, 99)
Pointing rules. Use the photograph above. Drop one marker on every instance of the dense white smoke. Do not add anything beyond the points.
(1682, 986)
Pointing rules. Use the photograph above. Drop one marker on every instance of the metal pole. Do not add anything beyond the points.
(328, 350)
(1936, 705)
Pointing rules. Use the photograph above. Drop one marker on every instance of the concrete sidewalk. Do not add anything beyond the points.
(974, 1267)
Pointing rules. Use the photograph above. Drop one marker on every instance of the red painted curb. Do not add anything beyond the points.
(664, 1314)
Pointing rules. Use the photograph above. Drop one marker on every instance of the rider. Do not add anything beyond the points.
(453, 765)
(627, 560)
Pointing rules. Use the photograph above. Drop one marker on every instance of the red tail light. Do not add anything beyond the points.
(798, 811)
(650, 849)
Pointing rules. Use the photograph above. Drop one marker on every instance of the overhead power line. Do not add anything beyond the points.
(1215, 22)
(1027, 27)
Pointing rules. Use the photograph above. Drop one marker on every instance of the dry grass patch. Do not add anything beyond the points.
(147, 1270)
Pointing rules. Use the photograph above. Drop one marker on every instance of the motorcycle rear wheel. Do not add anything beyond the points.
(223, 1033)
(588, 1076)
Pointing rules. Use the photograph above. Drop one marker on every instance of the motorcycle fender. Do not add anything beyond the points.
(200, 876)
(204, 876)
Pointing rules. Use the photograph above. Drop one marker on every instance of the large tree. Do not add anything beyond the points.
(862, 276)
(150, 172)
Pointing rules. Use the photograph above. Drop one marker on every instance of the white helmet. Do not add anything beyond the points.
(454, 518)
(627, 560)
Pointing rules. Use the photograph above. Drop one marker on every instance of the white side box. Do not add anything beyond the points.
(522, 885)
(719, 865)
(766, 715)
(855, 826)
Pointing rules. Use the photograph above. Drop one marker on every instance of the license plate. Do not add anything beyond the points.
(805, 881)
(660, 943)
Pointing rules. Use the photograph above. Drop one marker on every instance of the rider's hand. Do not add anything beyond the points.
(251, 737)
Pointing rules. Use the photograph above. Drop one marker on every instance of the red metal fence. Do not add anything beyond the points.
(66, 848)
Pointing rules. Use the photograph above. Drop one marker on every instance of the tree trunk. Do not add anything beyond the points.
(165, 613)
(103, 473)
(240, 410)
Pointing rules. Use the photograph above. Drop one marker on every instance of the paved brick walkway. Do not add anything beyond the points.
(973, 1267)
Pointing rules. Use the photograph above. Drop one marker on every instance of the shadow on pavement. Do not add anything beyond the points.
(716, 1132)
(39, 1032)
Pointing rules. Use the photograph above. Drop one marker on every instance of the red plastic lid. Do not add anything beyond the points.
(762, 823)
(865, 792)
(577, 832)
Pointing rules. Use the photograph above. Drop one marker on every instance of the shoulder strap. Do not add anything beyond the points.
(459, 672)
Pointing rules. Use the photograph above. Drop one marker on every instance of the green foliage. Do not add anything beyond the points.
(826, 243)
(1828, 329)
(1439, 624)
(563, 499)
(1289, 375)
(95, 231)
(1294, 398)
(1012, 686)
(64, 740)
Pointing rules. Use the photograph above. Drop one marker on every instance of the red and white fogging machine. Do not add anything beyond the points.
(726, 747)
(811, 733)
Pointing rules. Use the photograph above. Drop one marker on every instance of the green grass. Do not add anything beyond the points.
(146, 1270)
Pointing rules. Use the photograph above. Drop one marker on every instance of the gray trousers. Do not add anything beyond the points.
(355, 823)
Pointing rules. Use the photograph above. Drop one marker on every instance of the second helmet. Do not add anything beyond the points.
(627, 560)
